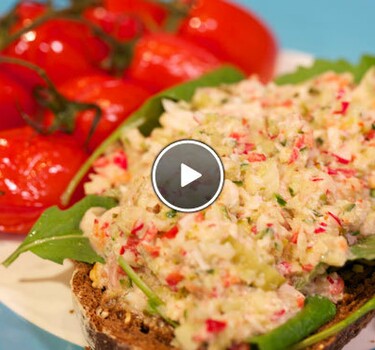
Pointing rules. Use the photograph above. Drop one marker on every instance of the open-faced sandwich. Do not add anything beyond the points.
(285, 256)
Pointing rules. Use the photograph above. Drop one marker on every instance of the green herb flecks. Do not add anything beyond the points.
(291, 191)
(56, 236)
(280, 200)
(317, 213)
(238, 183)
(350, 207)
(171, 214)
(319, 141)
(317, 311)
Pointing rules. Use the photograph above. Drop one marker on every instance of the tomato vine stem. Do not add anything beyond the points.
(64, 110)
(177, 11)
(77, 7)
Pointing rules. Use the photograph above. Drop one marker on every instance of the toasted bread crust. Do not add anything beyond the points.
(359, 288)
(114, 329)
(108, 328)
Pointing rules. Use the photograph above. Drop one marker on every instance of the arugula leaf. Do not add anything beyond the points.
(364, 249)
(150, 294)
(337, 327)
(317, 311)
(320, 66)
(56, 235)
(147, 117)
(153, 299)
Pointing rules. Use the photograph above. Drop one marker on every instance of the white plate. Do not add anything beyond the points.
(38, 290)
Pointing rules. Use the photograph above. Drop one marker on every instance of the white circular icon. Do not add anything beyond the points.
(187, 176)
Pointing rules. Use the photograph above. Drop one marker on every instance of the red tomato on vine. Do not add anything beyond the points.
(64, 48)
(14, 98)
(233, 34)
(117, 98)
(122, 26)
(148, 11)
(161, 60)
(35, 171)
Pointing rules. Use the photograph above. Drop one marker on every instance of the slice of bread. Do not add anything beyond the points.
(106, 327)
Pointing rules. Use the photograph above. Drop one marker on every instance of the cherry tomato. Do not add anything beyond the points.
(149, 12)
(26, 77)
(161, 60)
(17, 84)
(13, 99)
(63, 48)
(34, 172)
(116, 97)
(233, 34)
(121, 26)
(26, 11)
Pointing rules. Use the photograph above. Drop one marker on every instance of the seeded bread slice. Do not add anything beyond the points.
(106, 327)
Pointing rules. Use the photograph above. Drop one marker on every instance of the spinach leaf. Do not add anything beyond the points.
(337, 327)
(147, 117)
(317, 311)
(56, 235)
(320, 66)
(364, 249)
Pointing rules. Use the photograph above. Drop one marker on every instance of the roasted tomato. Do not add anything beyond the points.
(14, 98)
(117, 98)
(63, 48)
(161, 60)
(34, 172)
(233, 34)
(122, 26)
(151, 13)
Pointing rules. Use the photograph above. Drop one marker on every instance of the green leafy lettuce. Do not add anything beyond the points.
(56, 236)
(316, 312)
(337, 327)
(364, 249)
(320, 66)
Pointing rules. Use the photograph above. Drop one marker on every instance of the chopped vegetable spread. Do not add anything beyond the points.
(299, 191)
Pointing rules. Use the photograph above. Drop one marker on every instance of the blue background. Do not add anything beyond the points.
(325, 28)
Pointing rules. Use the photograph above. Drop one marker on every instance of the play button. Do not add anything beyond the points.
(187, 175)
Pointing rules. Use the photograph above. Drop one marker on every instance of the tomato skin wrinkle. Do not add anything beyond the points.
(233, 34)
(162, 60)
(34, 172)
(117, 98)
